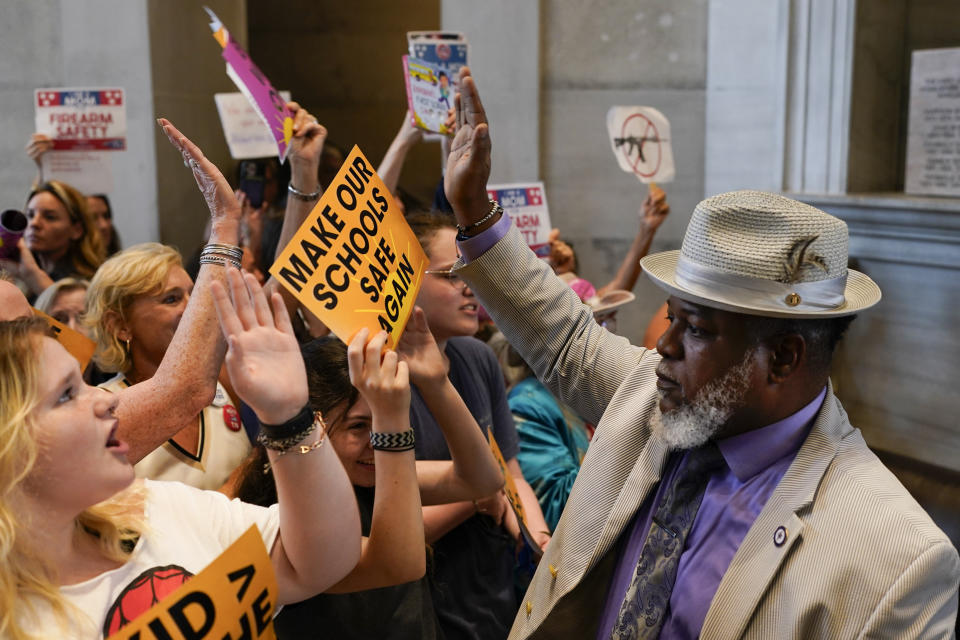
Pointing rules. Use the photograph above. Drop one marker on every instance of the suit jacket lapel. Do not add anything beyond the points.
(642, 480)
(763, 550)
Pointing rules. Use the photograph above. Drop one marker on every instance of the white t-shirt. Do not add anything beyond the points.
(222, 446)
(186, 530)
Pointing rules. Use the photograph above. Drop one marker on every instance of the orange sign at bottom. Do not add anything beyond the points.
(234, 597)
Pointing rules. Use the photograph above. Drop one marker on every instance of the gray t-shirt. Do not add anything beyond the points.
(473, 588)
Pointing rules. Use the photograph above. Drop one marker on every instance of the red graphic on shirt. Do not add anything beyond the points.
(144, 591)
(231, 418)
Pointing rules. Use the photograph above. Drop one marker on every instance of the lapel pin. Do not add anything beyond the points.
(780, 536)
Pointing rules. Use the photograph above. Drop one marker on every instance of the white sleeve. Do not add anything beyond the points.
(211, 511)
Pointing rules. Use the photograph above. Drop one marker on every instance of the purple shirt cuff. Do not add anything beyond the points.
(474, 247)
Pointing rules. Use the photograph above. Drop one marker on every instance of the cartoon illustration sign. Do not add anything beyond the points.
(526, 204)
(445, 50)
(640, 139)
(234, 597)
(355, 262)
(429, 94)
(243, 127)
(267, 101)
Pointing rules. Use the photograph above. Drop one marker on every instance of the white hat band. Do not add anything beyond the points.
(746, 291)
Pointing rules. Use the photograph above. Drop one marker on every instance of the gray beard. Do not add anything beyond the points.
(696, 422)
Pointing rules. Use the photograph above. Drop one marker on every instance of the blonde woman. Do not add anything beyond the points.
(60, 240)
(77, 530)
(134, 306)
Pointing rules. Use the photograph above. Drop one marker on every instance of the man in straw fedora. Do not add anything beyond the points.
(725, 493)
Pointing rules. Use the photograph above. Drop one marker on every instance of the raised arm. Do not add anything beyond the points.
(473, 472)
(306, 146)
(652, 214)
(392, 164)
(394, 553)
(319, 541)
(152, 411)
(540, 315)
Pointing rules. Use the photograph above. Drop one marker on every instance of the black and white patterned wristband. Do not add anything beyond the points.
(402, 441)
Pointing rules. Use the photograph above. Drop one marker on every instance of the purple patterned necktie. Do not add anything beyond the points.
(647, 600)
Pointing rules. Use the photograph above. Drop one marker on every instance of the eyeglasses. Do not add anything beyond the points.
(448, 275)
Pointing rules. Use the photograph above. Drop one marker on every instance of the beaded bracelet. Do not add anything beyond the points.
(495, 208)
(402, 441)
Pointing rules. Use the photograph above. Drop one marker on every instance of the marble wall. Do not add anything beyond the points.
(597, 55)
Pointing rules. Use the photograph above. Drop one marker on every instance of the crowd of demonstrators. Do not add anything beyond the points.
(77, 528)
(723, 494)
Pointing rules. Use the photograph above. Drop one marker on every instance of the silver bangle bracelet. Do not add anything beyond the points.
(221, 260)
(301, 195)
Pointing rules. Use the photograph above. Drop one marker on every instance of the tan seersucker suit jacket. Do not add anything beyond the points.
(861, 558)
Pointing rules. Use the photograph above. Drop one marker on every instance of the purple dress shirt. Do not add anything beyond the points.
(734, 497)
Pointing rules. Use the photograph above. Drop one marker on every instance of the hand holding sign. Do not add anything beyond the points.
(263, 358)
(381, 378)
(306, 146)
(654, 209)
(354, 262)
(468, 167)
(640, 139)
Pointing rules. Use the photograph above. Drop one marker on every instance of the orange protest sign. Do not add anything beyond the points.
(78, 345)
(355, 261)
(234, 597)
(513, 496)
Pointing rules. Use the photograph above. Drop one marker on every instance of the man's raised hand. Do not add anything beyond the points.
(468, 166)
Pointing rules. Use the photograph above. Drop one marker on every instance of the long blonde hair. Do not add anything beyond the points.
(87, 253)
(28, 583)
(140, 270)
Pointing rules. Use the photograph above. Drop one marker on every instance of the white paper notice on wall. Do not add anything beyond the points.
(640, 140)
(246, 133)
(933, 134)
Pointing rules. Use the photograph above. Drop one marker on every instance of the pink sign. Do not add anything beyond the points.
(250, 80)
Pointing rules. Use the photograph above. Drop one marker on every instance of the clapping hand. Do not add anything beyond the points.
(263, 358)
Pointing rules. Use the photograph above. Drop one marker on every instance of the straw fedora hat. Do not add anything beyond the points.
(764, 254)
